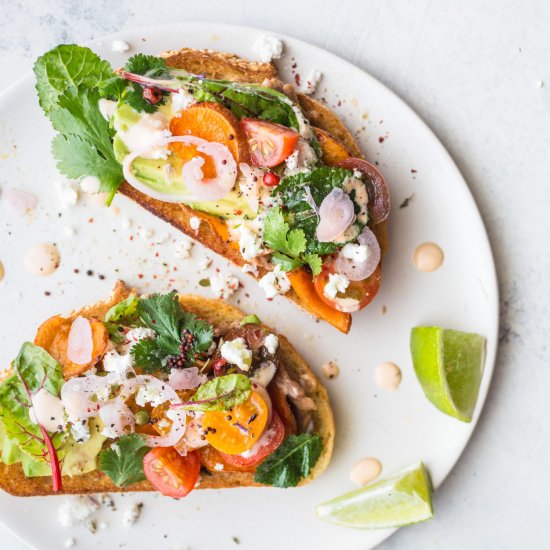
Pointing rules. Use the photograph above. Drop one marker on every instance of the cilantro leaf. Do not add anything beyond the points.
(291, 462)
(123, 462)
(149, 65)
(221, 393)
(162, 313)
(315, 262)
(149, 355)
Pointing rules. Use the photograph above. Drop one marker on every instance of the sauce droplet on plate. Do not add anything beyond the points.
(365, 470)
(387, 376)
(330, 370)
(42, 259)
(428, 257)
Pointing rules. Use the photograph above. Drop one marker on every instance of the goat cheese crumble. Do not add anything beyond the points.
(312, 81)
(275, 282)
(120, 46)
(195, 223)
(223, 285)
(237, 353)
(357, 253)
(182, 100)
(267, 48)
(336, 283)
(67, 192)
(76, 510)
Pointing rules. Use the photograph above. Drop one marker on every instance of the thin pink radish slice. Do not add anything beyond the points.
(336, 214)
(80, 344)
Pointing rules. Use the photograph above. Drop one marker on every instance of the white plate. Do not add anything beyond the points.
(398, 428)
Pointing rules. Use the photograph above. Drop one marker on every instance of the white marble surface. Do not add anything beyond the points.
(473, 70)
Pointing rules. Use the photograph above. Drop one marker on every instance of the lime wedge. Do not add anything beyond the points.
(401, 499)
(449, 366)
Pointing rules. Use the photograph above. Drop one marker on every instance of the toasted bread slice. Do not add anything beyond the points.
(230, 67)
(222, 316)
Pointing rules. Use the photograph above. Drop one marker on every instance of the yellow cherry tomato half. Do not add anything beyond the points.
(235, 431)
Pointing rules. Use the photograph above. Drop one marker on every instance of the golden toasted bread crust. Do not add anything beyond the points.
(221, 315)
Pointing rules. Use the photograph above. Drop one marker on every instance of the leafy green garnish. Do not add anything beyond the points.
(123, 462)
(291, 462)
(163, 314)
(221, 393)
(288, 245)
(294, 191)
(123, 314)
(68, 79)
(35, 369)
(250, 320)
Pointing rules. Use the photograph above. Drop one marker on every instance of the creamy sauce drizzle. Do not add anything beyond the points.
(42, 259)
(428, 257)
(387, 376)
(365, 470)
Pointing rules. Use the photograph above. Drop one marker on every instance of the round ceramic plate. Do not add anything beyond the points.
(99, 245)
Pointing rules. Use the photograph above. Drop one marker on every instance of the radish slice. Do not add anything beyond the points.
(80, 344)
(197, 187)
(336, 215)
(358, 271)
(77, 394)
(117, 418)
(185, 379)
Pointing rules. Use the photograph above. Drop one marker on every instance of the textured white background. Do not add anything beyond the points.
(470, 69)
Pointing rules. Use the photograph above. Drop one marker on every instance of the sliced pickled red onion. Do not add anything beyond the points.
(77, 394)
(80, 344)
(185, 379)
(379, 194)
(358, 271)
(199, 188)
(336, 214)
(117, 418)
(194, 436)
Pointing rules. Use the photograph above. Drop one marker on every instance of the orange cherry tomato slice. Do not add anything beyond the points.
(237, 430)
(358, 294)
(269, 143)
(170, 473)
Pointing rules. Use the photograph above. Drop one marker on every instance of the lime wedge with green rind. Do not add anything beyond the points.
(401, 499)
(449, 366)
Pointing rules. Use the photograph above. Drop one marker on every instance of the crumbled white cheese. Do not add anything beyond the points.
(76, 510)
(182, 100)
(126, 223)
(539, 83)
(250, 243)
(121, 364)
(90, 184)
(183, 249)
(357, 174)
(357, 253)
(120, 46)
(205, 263)
(336, 283)
(132, 514)
(67, 192)
(80, 430)
(267, 48)
(271, 343)
(250, 268)
(146, 232)
(237, 353)
(275, 282)
(292, 161)
(146, 134)
(47, 410)
(223, 285)
(301, 160)
(312, 81)
(70, 542)
(149, 394)
(194, 223)
(161, 239)
(140, 333)
(107, 108)
(218, 467)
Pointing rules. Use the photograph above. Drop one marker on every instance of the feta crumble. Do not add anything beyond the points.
(267, 48)
(275, 282)
(250, 268)
(194, 223)
(121, 364)
(183, 249)
(205, 263)
(182, 100)
(120, 46)
(140, 333)
(336, 283)
(312, 81)
(237, 353)
(271, 343)
(76, 510)
(132, 514)
(250, 243)
(70, 542)
(223, 285)
(149, 394)
(357, 253)
(80, 430)
(67, 192)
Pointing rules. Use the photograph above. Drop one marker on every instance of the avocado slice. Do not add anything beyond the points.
(81, 458)
(154, 174)
(11, 454)
(34, 468)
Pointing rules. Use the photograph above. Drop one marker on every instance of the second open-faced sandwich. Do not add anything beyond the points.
(223, 150)
(160, 392)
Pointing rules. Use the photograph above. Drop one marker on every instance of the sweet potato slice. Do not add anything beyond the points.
(212, 122)
(303, 286)
(332, 150)
(53, 336)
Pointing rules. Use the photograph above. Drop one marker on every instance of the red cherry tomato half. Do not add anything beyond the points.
(271, 179)
(268, 442)
(170, 473)
(358, 294)
(269, 143)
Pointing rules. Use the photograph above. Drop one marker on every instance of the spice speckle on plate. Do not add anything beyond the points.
(428, 257)
(330, 370)
(42, 259)
(387, 376)
(365, 470)
(2, 272)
